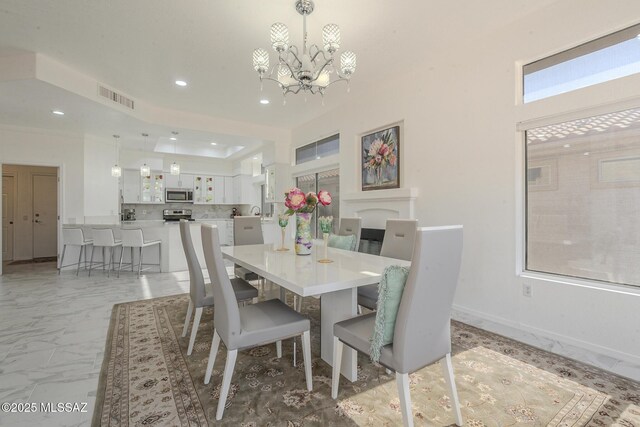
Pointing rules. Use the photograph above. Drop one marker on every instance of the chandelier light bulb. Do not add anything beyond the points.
(116, 171)
(348, 63)
(331, 37)
(284, 76)
(323, 79)
(145, 170)
(260, 61)
(279, 37)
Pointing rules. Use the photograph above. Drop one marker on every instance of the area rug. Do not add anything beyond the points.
(148, 380)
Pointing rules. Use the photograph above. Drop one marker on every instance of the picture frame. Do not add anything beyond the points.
(380, 159)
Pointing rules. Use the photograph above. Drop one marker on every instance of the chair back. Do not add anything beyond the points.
(247, 230)
(399, 238)
(132, 237)
(103, 237)
(351, 226)
(422, 333)
(73, 236)
(226, 316)
(197, 290)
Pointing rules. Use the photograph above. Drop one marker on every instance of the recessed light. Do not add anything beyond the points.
(264, 101)
(181, 83)
(58, 112)
(587, 153)
(567, 146)
(317, 157)
(255, 158)
(214, 143)
(173, 138)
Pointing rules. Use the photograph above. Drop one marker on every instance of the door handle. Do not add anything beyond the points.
(37, 221)
(10, 222)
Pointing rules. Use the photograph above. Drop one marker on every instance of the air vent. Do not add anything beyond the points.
(115, 97)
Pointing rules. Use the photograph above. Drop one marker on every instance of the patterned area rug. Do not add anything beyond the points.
(147, 380)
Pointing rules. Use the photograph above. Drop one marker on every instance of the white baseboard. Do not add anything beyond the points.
(497, 325)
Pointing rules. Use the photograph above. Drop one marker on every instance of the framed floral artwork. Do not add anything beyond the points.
(381, 159)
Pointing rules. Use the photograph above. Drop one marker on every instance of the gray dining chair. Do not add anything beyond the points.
(247, 230)
(422, 333)
(201, 292)
(399, 238)
(245, 327)
(351, 226)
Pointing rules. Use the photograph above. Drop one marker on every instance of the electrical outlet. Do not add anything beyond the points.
(526, 290)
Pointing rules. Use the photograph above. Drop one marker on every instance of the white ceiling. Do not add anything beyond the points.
(141, 47)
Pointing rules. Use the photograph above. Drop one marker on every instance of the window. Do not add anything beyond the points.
(327, 180)
(583, 198)
(317, 150)
(607, 58)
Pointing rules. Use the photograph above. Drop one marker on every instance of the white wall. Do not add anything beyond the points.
(460, 149)
(45, 148)
(101, 202)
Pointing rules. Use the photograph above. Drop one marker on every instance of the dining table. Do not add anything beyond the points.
(335, 283)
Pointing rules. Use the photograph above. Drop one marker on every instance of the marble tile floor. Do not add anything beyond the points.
(54, 330)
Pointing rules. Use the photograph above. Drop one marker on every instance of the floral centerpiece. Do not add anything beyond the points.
(303, 205)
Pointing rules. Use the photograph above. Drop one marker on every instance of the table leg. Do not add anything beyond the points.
(335, 307)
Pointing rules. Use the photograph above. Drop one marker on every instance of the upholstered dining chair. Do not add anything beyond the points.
(105, 239)
(398, 241)
(247, 230)
(351, 226)
(422, 333)
(201, 292)
(249, 326)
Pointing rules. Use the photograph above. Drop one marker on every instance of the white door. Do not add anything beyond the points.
(45, 216)
(7, 217)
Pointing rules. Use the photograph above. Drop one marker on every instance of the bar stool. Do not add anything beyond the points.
(104, 238)
(133, 238)
(74, 237)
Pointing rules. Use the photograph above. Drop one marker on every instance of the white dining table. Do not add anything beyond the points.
(335, 283)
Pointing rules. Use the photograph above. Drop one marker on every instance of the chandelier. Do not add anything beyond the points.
(311, 70)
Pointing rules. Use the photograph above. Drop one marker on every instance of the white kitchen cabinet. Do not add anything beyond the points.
(184, 180)
(277, 181)
(152, 188)
(218, 190)
(203, 190)
(228, 190)
(131, 186)
(245, 192)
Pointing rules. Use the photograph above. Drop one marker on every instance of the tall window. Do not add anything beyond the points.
(318, 150)
(607, 58)
(583, 198)
(327, 180)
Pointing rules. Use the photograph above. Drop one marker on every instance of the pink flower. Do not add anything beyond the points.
(374, 147)
(324, 197)
(384, 150)
(295, 199)
(312, 199)
(392, 160)
(378, 159)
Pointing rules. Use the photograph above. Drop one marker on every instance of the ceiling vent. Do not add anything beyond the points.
(115, 97)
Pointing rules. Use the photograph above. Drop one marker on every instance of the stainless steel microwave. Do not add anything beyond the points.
(179, 195)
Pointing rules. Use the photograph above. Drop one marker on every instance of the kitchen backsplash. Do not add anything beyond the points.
(150, 212)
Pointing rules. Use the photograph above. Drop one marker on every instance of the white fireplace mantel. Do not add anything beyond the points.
(375, 207)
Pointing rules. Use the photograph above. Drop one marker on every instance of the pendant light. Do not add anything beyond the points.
(175, 167)
(116, 171)
(144, 169)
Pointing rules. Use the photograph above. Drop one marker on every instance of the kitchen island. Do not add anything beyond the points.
(168, 233)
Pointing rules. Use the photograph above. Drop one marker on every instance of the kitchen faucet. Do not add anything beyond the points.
(256, 213)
